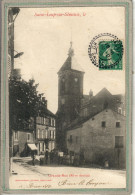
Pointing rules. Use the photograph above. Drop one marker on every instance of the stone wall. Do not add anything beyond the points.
(97, 142)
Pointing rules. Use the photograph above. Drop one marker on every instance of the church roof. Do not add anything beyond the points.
(103, 92)
(71, 62)
(102, 95)
(99, 100)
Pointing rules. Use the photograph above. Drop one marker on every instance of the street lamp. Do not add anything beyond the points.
(18, 54)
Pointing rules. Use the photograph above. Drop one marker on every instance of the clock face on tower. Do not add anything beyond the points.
(63, 80)
(76, 79)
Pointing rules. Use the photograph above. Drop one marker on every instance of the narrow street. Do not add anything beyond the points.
(26, 176)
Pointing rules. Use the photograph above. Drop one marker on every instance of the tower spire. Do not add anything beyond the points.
(71, 51)
(71, 44)
(71, 34)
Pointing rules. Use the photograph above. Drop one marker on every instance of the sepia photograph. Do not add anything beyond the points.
(67, 87)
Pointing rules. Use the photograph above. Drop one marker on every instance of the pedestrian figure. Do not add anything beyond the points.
(33, 158)
(81, 158)
(46, 156)
(72, 159)
(76, 159)
(51, 156)
(41, 161)
(58, 158)
(106, 165)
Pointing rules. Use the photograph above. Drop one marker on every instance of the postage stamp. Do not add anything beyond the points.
(105, 51)
(110, 55)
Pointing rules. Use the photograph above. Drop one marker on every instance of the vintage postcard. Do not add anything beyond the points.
(66, 96)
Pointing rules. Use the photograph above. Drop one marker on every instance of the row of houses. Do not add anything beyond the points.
(39, 136)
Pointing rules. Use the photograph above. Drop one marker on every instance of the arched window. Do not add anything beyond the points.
(63, 85)
(76, 84)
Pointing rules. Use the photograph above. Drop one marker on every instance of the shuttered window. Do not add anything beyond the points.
(119, 141)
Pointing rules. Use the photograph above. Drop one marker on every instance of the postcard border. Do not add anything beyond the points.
(126, 4)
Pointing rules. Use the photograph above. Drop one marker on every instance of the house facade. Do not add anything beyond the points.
(100, 138)
(45, 133)
(24, 140)
(39, 136)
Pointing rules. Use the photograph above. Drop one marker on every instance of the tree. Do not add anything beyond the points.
(24, 102)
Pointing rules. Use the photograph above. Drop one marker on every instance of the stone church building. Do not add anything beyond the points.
(70, 94)
(80, 117)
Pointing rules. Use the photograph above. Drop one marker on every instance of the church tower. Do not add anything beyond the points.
(70, 92)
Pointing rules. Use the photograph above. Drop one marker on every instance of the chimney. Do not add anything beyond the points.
(16, 74)
(44, 101)
(90, 94)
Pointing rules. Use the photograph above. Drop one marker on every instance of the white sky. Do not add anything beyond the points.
(45, 42)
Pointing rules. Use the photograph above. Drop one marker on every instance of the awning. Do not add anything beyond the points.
(32, 146)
